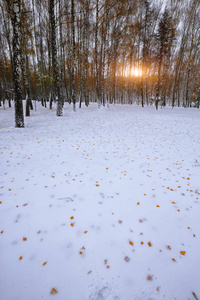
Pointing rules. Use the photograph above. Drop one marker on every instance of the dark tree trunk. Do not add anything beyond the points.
(54, 58)
(19, 117)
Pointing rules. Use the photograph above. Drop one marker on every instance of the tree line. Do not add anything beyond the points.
(103, 51)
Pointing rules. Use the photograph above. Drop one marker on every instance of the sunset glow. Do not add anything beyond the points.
(136, 72)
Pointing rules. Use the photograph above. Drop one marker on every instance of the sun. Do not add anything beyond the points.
(136, 72)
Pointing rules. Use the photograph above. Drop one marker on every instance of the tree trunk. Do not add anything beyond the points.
(19, 117)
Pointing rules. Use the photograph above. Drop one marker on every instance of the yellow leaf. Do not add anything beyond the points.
(54, 291)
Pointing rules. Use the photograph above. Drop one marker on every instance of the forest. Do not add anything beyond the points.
(105, 51)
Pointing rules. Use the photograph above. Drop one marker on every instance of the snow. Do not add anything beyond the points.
(86, 189)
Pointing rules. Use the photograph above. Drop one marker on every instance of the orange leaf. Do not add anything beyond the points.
(131, 243)
(24, 239)
(72, 218)
(20, 258)
(173, 259)
(173, 202)
(182, 252)
(149, 243)
(72, 224)
(138, 203)
(44, 263)
(105, 261)
(85, 231)
(120, 222)
(53, 176)
(1, 231)
(158, 205)
(9, 189)
(97, 184)
(150, 277)
(169, 247)
(141, 243)
(54, 291)
(108, 267)
(80, 252)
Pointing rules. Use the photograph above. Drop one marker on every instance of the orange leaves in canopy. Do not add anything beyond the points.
(54, 291)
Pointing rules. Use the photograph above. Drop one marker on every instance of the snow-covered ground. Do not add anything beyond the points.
(100, 204)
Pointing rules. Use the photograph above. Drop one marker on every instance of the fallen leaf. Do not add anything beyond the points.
(80, 252)
(150, 277)
(20, 258)
(131, 243)
(142, 243)
(173, 259)
(97, 184)
(182, 252)
(158, 205)
(138, 203)
(44, 263)
(2, 232)
(149, 243)
(72, 224)
(85, 231)
(126, 258)
(89, 272)
(108, 267)
(120, 222)
(24, 239)
(54, 291)
(72, 218)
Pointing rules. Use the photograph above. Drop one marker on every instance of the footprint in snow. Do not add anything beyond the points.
(104, 293)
